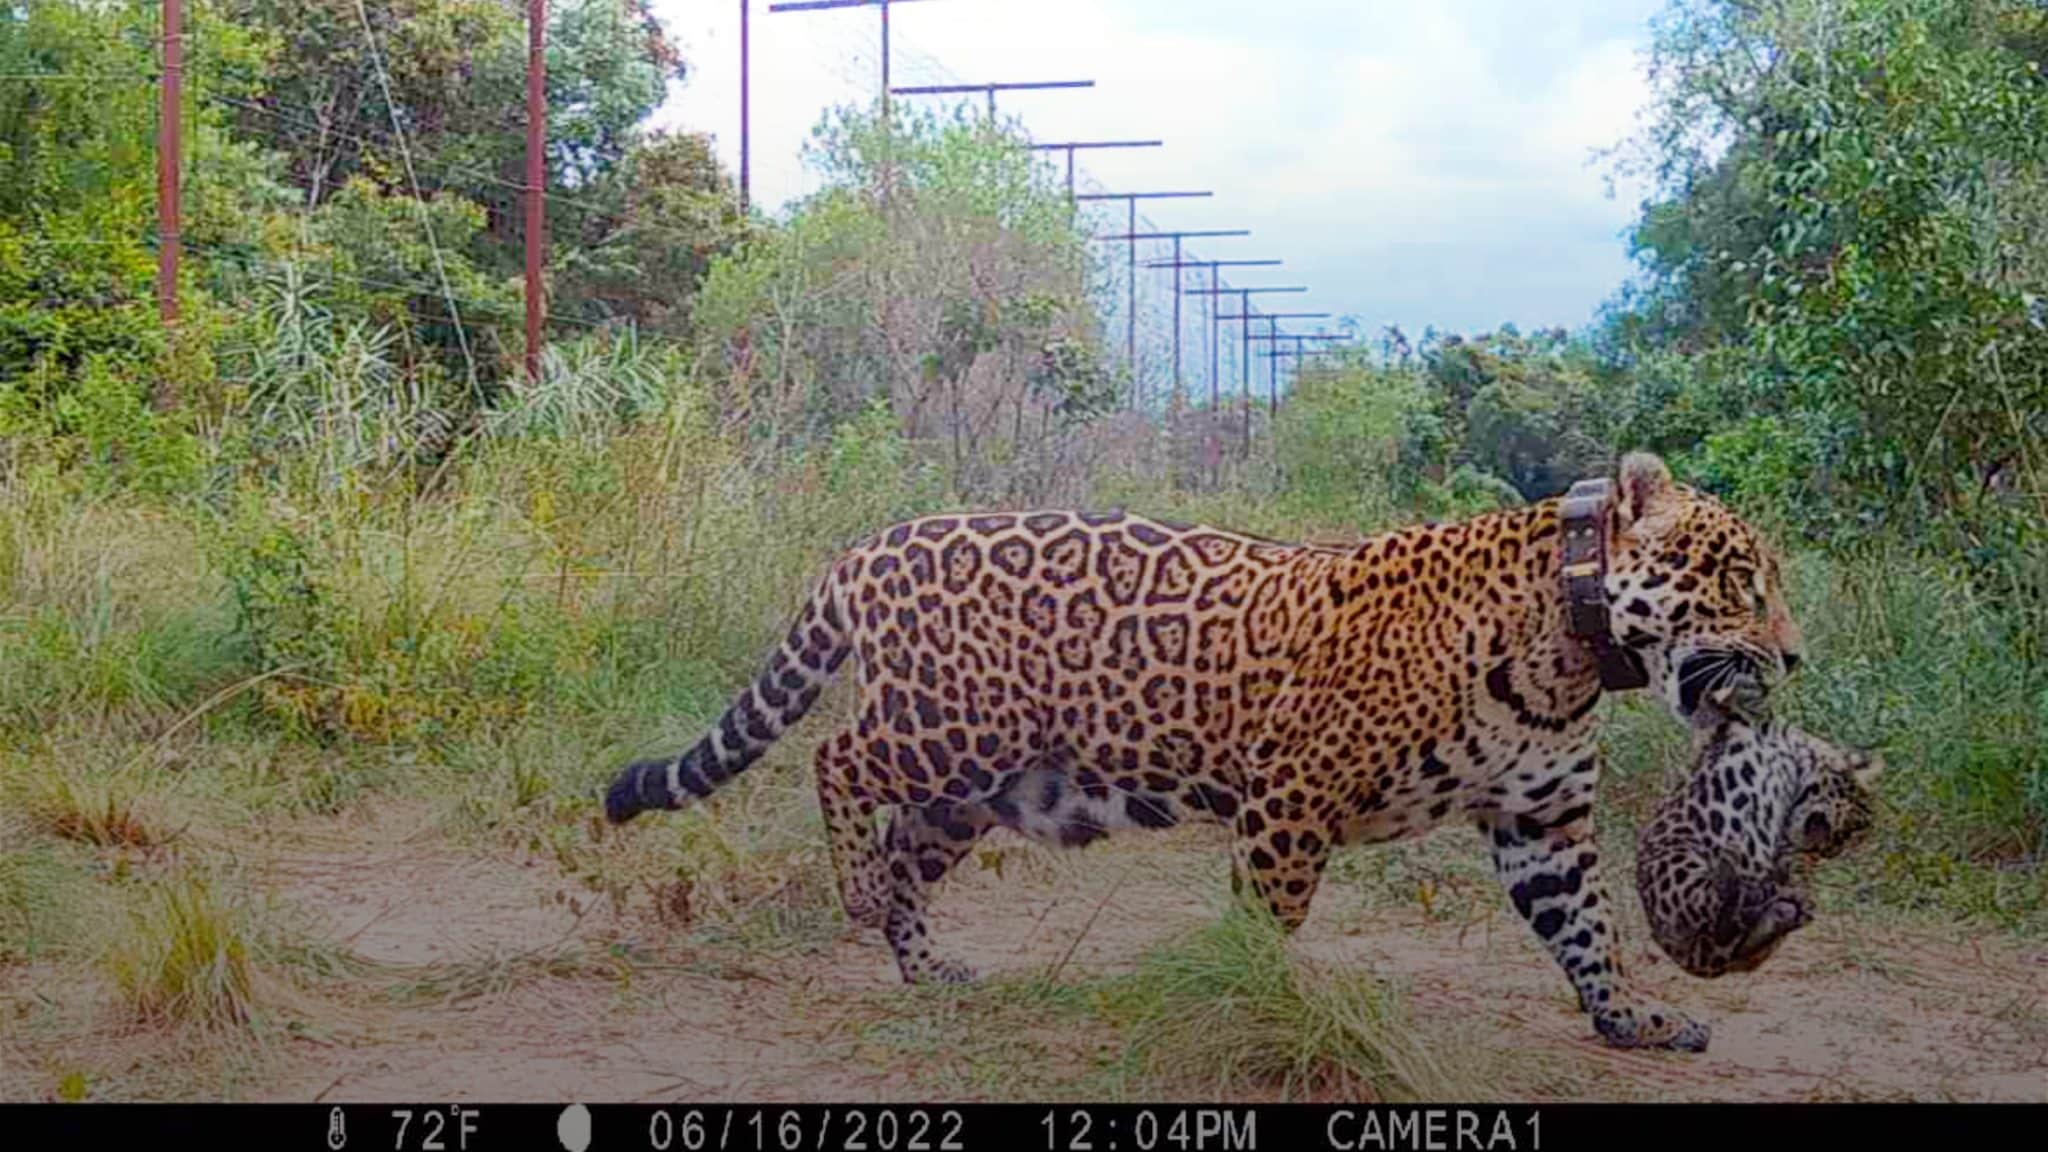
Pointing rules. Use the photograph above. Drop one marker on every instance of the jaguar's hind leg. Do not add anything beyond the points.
(925, 843)
(857, 850)
(1281, 865)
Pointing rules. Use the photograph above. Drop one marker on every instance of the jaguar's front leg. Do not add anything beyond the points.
(1549, 862)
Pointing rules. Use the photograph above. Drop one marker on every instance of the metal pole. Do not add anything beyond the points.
(1130, 200)
(1071, 146)
(746, 140)
(1215, 394)
(1131, 321)
(536, 175)
(1177, 285)
(988, 91)
(168, 162)
(1210, 447)
(1272, 375)
(1244, 366)
(1132, 237)
(1215, 291)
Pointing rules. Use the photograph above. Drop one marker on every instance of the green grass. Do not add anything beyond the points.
(1225, 1011)
(47, 899)
(190, 955)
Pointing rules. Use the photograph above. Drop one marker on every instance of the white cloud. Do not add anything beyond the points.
(1412, 162)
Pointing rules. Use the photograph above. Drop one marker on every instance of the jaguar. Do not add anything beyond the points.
(1065, 675)
(1723, 863)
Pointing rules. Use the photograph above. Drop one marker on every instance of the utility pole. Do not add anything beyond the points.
(888, 175)
(1298, 352)
(536, 177)
(1215, 283)
(1245, 313)
(1215, 343)
(989, 89)
(1273, 333)
(1130, 200)
(169, 134)
(1175, 236)
(1293, 316)
(822, 5)
(1272, 375)
(746, 132)
(1244, 296)
(1069, 147)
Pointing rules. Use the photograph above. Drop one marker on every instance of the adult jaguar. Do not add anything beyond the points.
(1063, 675)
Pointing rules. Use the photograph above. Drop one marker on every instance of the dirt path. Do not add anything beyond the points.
(536, 1001)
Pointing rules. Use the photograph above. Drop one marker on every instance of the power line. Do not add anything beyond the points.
(592, 212)
(989, 90)
(415, 287)
(84, 77)
(426, 221)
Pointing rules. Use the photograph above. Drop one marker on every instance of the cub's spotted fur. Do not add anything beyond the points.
(1722, 865)
(1064, 675)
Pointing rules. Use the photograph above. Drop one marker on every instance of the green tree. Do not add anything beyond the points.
(645, 234)
(939, 270)
(457, 72)
(1537, 411)
(1856, 194)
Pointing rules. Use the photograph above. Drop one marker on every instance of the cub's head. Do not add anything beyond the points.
(1835, 801)
(1694, 591)
(1834, 810)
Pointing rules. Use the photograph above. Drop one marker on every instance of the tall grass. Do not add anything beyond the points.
(188, 956)
(1227, 1012)
(47, 898)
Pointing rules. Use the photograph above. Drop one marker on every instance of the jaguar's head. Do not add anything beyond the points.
(1694, 590)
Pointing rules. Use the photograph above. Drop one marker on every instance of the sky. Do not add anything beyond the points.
(1413, 163)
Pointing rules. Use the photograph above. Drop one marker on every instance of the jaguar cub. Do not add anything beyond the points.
(1723, 864)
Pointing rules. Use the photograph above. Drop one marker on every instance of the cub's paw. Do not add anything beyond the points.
(1651, 1025)
(940, 971)
(1784, 915)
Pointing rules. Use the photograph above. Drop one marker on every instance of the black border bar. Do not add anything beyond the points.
(1191, 1127)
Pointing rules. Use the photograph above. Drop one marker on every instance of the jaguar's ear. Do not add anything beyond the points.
(1866, 773)
(1643, 490)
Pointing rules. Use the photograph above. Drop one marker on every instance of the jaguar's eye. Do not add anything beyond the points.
(1735, 585)
(1745, 586)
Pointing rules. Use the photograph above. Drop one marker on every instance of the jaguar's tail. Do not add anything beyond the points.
(778, 698)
